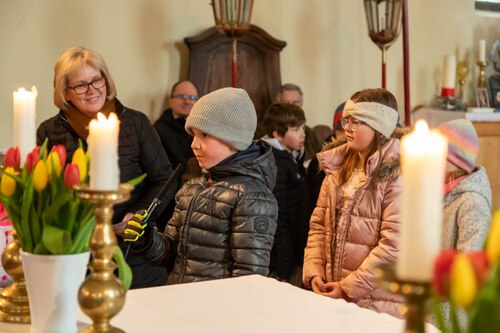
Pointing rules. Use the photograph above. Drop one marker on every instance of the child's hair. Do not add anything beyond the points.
(279, 117)
(380, 96)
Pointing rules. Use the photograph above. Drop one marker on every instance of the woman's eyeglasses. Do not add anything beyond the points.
(352, 123)
(186, 97)
(82, 88)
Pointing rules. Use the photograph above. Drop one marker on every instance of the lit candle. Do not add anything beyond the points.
(103, 150)
(24, 129)
(423, 159)
(482, 50)
(449, 75)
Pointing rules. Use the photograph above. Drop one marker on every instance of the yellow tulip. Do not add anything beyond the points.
(53, 159)
(40, 176)
(493, 243)
(81, 161)
(8, 186)
(463, 281)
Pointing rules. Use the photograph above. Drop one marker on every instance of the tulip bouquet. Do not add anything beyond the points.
(471, 283)
(48, 216)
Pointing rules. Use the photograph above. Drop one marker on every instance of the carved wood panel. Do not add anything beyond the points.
(258, 64)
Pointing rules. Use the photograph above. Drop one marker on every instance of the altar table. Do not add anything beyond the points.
(245, 304)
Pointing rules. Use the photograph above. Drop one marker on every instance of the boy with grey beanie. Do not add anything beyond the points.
(224, 222)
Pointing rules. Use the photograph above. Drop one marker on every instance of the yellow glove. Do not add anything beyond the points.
(135, 226)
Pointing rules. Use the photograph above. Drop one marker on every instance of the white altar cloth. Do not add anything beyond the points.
(246, 304)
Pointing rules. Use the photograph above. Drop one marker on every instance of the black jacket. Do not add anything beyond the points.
(293, 218)
(139, 152)
(223, 224)
(174, 138)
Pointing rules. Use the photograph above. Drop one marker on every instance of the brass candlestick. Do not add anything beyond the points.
(101, 295)
(415, 293)
(14, 305)
(481, 80)
(462, 72)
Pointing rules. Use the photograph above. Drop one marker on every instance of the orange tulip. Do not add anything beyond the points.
(8, 185)
(40, 176)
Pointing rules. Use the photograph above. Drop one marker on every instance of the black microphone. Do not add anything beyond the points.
(157, 200)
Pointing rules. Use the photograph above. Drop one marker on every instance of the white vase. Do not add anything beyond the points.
(53, 282)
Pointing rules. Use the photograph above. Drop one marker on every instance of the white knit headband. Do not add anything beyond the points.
(380, 117)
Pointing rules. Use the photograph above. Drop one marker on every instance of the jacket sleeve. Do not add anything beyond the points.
(253, 225)
(473, 221)
(155, 163)
(315, 255)
(361, 282)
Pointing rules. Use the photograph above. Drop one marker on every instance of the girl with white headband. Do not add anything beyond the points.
(355, 225)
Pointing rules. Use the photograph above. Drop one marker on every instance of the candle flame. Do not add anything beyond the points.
(101, 117)
(34, 91)
(421, 127)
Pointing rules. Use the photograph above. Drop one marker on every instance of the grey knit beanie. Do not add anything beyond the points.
(227, 114)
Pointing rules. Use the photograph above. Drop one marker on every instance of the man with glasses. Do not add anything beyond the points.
(174, 138)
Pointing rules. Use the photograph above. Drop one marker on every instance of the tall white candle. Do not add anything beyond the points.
(482, 50)
(24, 129)
(103, 150)
(449, 75)
(423, 159)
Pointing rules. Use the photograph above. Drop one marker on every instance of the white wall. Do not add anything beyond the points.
(328, 50)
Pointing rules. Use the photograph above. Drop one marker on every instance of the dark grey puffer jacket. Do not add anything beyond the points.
(223, 224)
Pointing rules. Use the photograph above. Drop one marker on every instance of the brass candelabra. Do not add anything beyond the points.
(481, 80)
(101, 295)
(416, 295)
(14, 304)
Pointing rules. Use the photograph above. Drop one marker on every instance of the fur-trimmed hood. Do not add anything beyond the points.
(333, 155)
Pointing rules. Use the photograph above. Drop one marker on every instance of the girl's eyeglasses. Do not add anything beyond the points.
(352, 123)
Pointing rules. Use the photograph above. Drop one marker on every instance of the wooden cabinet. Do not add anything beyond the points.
(258, 64)
(489, 155)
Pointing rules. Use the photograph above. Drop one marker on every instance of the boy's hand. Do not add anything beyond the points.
(135, 227)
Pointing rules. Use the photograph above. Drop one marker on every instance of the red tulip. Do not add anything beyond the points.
(32, 159)
(480, 264)
(12, 158)
(61, 151)
(37, 149)
(71, 175)
(442, 271)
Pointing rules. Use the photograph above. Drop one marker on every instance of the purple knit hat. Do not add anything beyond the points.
(463, 143)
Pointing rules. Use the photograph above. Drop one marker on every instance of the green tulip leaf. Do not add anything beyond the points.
(57, 241)
(137, 180)
(124, 271)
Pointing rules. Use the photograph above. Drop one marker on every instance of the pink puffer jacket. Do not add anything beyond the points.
(366, 236)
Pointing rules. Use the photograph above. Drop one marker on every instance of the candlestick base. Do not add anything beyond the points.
(14, 304)
(416, 294)
(449, 103)
(101, 295)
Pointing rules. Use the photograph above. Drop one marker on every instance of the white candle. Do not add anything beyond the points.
(449, 75)
(103, 150)
(24, 129)
(423, 159)
(482, 50)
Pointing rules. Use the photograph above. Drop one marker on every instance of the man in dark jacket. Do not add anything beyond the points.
(224, 222)
(174, 138)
